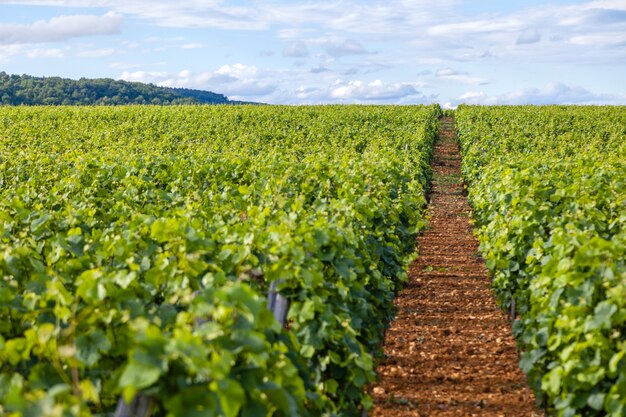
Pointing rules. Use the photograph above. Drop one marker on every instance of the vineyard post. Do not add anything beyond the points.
(277, 304)
(140, 406)
(513, 312)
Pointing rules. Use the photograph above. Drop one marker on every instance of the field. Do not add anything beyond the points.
(139, 245)
(548, 190)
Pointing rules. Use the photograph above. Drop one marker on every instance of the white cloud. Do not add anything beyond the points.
(236, 81)
(44, 53)
(448, 74)
(131, 45)
(60, 28)
(373, 91)
(123, 65)
(436, 32)
(347, 47)
(352, 91)
(8, 52)
(152, 77)
(552, 93)
(239, 71)
(242, 82)
(347, 16)
(608, 39)
(528, 36)
(470, 27)
(307, 93)
(296, 49)
(181, 13)
(294, 33)
(192, 46)
(586, 33)
(318, 70)
(97, 53)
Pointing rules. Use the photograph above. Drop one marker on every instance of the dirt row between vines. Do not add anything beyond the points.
(450, 350)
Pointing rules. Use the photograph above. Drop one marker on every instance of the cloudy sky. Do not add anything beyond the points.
(344, 51)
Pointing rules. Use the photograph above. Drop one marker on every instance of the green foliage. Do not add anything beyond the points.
(138, 243)
(28, 90)
(548, 189)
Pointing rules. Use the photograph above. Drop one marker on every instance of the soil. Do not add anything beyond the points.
(450, 350)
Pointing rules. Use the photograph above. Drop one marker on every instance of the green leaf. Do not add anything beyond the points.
(307, 312)
(551, 382)
(280, 398)
(596, 401)
(163, 230)
(89, 286)
(601, 318)
(39, 222)
(254, 409)
(90, 346)
(231, 396)
(124, 278)
(139, 375)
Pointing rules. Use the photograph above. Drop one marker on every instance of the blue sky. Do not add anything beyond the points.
(309, 52)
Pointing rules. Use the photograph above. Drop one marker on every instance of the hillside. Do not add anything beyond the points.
(28, 90)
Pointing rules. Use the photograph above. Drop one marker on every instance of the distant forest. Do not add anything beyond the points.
(18, 90)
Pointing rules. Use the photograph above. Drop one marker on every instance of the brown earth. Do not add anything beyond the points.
(450, 351)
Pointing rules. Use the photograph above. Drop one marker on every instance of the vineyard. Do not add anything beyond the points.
(140, 244)
(548, 190)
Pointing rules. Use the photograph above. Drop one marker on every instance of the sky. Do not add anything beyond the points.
(341, 51)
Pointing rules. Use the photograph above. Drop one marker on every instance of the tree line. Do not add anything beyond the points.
(16, 90)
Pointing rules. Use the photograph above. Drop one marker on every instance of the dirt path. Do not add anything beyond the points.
(450, 351)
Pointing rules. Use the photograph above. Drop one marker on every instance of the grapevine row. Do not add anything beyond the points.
(138, 244)
(548, 190)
